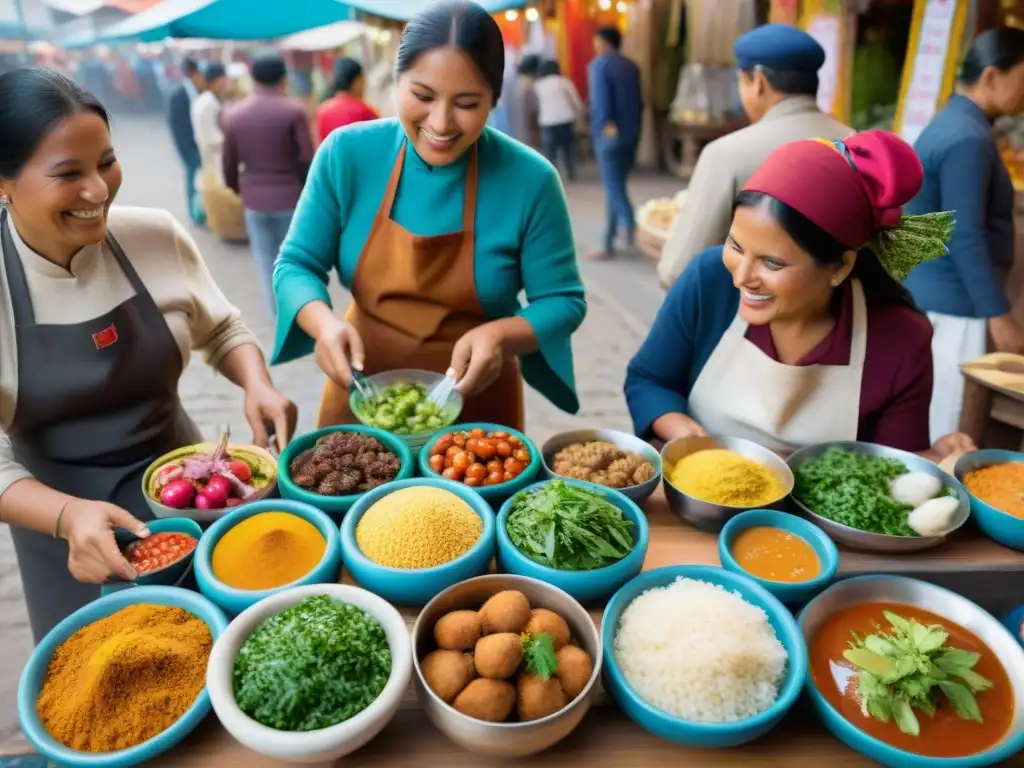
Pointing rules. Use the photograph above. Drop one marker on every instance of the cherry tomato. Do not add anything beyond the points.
(460, 440)
(500, 435)
(453, 451)
(437, 462)
(477, 433)
(503, 448)
(486, 449)
(159, 550)
(477, 471)
(521, 453)
(240, 469)
(443, 444)
(514, 466)
(461, 463)
(450, 473)
(514, 441)
(494, 478)
(509, 476)
(495, 465)
(472, 482)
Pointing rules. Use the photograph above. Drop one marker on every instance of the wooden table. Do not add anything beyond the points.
(692, 137)
(973, 565)
(993, 405)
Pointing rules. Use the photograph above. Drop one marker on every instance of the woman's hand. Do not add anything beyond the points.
(88, 528)
(956, 442)
(265, 405)
(477, 359)
(673, 426)
(339, 350)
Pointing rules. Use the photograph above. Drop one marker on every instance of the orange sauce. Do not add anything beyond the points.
(944, 735)
(775, 555)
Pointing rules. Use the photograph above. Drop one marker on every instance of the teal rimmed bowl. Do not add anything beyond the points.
(233, 600)
(791, 593)
(336, 506)
(589, 587)
(916, 593)
(416, 586)
(38, 664)
(688, 732)
(168, 576)
(495, 494)
(999, 526)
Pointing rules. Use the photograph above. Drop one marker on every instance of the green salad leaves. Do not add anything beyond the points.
(311, 666)
(539, 654)
(569, 528)
(853, 489)
(902, 670)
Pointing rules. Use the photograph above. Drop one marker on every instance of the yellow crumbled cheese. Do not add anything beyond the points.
(418, 527)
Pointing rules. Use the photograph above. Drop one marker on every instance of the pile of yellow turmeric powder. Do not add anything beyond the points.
(722, 477)
(125, 678)
(999, 485)
(267, 551)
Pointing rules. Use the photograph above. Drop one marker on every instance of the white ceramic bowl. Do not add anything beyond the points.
(326, 744)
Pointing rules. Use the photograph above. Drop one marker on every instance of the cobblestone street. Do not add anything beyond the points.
(622, 299)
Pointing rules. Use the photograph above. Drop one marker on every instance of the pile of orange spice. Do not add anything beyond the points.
(125, 678)
(1000, 485)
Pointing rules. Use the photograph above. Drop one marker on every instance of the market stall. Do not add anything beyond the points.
(416, 501)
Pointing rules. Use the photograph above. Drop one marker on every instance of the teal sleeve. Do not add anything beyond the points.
(309, 252)
(556, 299)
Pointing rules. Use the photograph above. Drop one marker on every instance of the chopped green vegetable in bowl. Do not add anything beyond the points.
(403, 409)
(312, 666)
(853, 489)
(903, 669)
(569, 528)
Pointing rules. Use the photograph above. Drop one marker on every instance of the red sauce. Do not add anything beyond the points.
(945, 735)
(159, 550)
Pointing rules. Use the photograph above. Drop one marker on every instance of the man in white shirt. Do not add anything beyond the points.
(205, 112)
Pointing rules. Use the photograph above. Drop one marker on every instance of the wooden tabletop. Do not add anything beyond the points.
(998, 371)
(606, 737)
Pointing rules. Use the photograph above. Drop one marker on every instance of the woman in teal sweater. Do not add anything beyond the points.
(436, 223)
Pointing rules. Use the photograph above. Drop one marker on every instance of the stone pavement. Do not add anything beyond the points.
(622, 299)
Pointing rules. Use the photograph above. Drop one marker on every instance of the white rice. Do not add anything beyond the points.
(700, 652)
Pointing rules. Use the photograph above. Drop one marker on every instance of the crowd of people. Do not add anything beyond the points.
(789, 323)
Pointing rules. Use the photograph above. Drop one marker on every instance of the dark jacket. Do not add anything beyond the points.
(268, 149)
(179, 117)
(963, 172)
(614, 91)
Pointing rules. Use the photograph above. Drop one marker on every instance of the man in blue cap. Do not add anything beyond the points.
(778, 84)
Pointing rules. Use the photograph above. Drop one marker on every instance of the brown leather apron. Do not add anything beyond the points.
(413, 299)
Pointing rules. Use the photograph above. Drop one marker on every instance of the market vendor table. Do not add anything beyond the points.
(692, 136)
(993, 405)
(970, 564)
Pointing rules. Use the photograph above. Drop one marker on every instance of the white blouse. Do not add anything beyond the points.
(559, 101)
(169, 264)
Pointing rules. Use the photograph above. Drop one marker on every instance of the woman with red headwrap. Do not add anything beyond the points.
(797, 331)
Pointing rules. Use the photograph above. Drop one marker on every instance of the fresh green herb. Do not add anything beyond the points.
(901, 670)
(311, 666)
(569, 528)
(403, 409)
(539, 654)
(852, 488)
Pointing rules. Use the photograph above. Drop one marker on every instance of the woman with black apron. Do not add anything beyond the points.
(96, 327)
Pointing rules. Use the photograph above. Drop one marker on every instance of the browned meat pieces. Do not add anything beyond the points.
(342, 463)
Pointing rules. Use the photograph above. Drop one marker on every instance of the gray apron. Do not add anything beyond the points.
(97, 403)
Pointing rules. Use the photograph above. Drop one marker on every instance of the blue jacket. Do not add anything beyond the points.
(614, 85)
(179, 117)
(964, 173)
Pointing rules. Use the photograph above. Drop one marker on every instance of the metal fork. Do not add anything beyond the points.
(365, 385)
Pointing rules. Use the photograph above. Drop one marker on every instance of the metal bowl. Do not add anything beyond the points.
(703, 514)
(505, 740)
(881, 542)
(621, 440)
(943, 602)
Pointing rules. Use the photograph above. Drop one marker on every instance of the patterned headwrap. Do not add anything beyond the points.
(855, 190)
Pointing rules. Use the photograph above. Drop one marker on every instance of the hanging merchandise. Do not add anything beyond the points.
(711, 27)
(693, 100)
